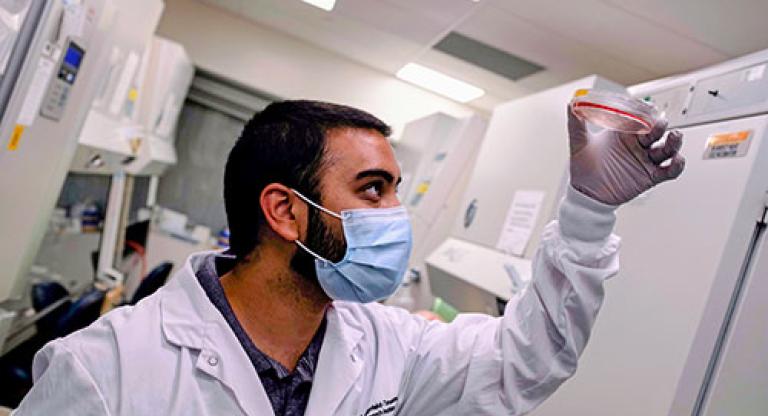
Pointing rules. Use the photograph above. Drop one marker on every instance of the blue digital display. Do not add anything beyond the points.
(74, 56)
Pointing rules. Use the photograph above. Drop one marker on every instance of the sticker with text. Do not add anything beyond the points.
(725, 145)
(384, 407)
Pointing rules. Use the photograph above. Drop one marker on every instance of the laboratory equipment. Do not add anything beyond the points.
(619, 112)
(515, 186)
(167, 76)
(45, 92)
(63, 60)
(436, 155)
(682, 330)
(113, 133)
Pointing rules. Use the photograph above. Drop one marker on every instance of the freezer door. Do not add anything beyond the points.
(740, 378)
(683, 245)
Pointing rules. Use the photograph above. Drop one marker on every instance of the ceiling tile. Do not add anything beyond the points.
(444, 12)
(231, 5)
(733, 27)
(620, 35)
(394, 19)
(557, 53)
(334, 31)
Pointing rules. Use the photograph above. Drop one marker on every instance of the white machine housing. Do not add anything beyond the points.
(35, 167)
(525, 148)
(168, 75)
(682, 330)
(436, 153)
(112, 134)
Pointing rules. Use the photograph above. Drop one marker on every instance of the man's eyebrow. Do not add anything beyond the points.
(379, 173)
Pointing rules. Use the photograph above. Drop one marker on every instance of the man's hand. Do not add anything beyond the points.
(614, 168)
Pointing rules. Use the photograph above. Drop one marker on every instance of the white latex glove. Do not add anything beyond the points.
(614, 168)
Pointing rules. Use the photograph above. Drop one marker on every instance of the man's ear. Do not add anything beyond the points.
(278, 203)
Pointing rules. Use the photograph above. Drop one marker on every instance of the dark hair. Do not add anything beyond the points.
(284, 143)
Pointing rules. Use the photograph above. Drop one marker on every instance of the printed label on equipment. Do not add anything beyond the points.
(18, 131)
(727, 145)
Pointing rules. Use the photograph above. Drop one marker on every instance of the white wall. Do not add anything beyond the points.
(284, 66)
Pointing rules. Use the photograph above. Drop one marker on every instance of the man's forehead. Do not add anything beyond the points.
(355, 150)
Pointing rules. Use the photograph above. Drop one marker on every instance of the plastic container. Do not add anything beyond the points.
(615, 111)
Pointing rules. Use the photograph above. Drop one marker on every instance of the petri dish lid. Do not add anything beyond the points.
(615, 111)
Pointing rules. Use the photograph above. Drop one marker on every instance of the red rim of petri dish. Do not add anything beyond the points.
(635, 117)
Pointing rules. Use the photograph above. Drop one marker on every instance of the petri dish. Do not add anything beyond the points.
(615, 111)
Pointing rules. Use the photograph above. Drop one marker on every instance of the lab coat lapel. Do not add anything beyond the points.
(190, 320)
(338, 368)
(223, 357)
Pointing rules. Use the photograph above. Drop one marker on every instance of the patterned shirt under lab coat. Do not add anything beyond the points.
(288, 391)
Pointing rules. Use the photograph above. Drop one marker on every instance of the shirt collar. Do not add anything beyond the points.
(208, 267)
(189, 320)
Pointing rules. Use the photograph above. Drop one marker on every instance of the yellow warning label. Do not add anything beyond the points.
(135, 144)
(726, 145)
(728, 138)
(18, 131)
(133, 94)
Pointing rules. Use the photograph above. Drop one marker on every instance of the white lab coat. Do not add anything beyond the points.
(174, 354)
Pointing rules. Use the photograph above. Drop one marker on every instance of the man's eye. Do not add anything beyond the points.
(373, 190)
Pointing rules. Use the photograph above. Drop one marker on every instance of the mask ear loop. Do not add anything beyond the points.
(312, 253)
(321, 208)
(310, 202)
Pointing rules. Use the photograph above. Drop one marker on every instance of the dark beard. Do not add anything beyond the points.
(321, 240)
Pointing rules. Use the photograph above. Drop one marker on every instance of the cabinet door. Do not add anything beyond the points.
(740, 384)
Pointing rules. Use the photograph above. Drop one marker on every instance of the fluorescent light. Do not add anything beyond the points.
(326, 5)
(440, 83)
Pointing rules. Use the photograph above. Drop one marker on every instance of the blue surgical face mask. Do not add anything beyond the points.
(378, 248)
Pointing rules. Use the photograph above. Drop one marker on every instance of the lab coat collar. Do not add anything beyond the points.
(339, 365)
(190, 320)
(185, 311)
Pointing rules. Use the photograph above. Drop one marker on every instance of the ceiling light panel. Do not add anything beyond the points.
(326, 5)
(439, 83)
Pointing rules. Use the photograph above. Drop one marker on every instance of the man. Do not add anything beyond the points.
(287, 325)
